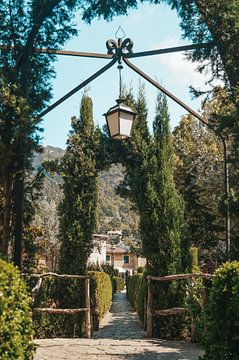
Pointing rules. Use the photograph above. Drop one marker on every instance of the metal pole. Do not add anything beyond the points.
(227, 200)
(170, 50)
(204, 121)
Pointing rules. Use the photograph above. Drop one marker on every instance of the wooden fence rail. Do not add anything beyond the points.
(172, 311)
(85, 309)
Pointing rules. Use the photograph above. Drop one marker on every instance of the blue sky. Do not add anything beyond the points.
(150, 27)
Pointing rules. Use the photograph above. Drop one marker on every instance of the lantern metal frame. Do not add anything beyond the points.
(120, 108)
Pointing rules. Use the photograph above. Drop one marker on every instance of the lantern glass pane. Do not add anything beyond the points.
(113, 123)
(126, 121)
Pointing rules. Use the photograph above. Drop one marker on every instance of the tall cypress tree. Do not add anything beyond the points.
(162, 220)
(79, 206)
(163, 224)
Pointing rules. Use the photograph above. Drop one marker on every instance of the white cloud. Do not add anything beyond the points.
(178, 69)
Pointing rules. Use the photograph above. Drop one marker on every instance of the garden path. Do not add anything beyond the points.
(120, 337)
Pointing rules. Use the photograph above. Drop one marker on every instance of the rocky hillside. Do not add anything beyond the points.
(115, 213)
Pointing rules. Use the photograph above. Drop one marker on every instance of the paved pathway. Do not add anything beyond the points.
(120, 337)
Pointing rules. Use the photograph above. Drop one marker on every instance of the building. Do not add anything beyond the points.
(98, 254)
(122, 259)
(117, 255)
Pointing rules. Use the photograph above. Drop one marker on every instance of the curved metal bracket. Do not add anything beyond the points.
(119, 48)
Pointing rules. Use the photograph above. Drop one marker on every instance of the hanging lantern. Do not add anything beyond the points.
(119, 120)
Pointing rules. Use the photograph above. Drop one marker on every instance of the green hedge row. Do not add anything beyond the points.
(136, 290)
(15, 316)
(101, 295)
(101, 287)
(118, 284)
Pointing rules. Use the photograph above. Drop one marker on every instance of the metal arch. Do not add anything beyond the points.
(77, 88)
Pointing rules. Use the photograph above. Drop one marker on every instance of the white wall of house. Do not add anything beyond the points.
(98, 254)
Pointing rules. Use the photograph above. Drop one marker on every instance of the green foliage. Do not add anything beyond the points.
(140, 269)
(196, 299)
(136, 289)
(198, 173)
(101, 291)
(109, 269)
(25, 90)
(78, 209)
(222, 315)
(118, 284)
(15, 316)
(167, 295)
(164, 219)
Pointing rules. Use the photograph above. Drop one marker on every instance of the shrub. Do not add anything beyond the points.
(109, 269)
(15, 316)
(140, 269)
(136, 293)
(196, 300)
(101, 295)
(118, 284)
(222, 315)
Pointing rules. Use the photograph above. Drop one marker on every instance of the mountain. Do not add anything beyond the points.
(115, 213)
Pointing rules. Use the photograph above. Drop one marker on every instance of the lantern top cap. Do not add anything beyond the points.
(121, 106)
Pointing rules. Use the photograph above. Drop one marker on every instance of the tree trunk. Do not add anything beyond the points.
(5, 240)
(18, 223)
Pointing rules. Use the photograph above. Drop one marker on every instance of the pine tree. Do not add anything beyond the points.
(78, 209)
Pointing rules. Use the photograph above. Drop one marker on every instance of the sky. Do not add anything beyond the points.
(150, 27)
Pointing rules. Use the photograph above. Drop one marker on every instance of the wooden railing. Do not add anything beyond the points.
(166, 312)
(51, 310)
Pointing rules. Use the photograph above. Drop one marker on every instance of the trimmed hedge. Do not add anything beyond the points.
(222, 315)
(118, 284)
(101, 295)
(136, 291)
(15, 316)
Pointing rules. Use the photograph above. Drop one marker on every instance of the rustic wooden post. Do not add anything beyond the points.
(145, 311)
(149, 310)
(193, 328)
(87, 305)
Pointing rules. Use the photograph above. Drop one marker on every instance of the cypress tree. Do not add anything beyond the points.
(78, 210)
(162, 220)
(163, 224)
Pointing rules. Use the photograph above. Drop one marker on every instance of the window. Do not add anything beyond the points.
(126, 259)
(107, 258)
